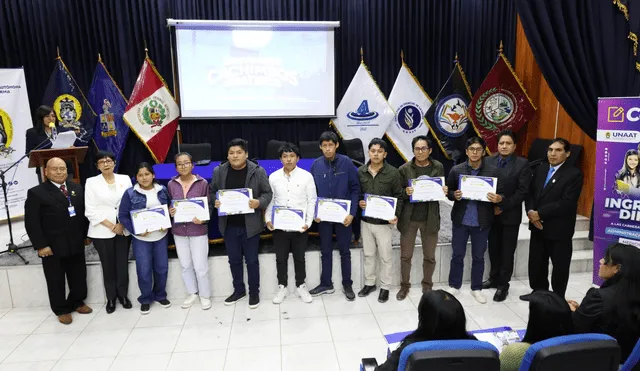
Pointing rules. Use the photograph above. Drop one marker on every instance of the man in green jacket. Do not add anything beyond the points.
(378, 178)
(424, 216)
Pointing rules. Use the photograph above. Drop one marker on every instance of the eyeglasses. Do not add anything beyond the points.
(421, 149)
(475, 150)
(105, 162)
(184, 164)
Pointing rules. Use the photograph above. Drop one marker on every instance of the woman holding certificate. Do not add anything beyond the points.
(190, 212)
(144, 213)
(102, 200)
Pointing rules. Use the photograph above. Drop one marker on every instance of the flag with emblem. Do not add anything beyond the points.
(364, 111)
(152, 113)
(410, 103)
(69, 103)
(500, 103)
(110, 131)
(448, 116)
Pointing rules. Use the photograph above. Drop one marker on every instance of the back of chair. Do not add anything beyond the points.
(633, 362)
(353, 148)
(201, 152)
(538, 152)
(584, 352)
(272, 149)
(454, 355)
(310, 149)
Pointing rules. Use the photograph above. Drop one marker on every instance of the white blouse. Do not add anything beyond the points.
(102, 202)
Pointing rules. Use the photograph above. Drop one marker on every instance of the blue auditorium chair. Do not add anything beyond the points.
(633, 362)
(584, 352)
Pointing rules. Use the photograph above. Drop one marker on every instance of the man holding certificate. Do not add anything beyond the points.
(242, 192)
(381, 202)
(420, 211)
(336, 179)
(289, 215)
(474, 188)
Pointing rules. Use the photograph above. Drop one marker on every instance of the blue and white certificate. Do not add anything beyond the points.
(476, 187)
(427, 189)
(332, 209)
(234, 201)
(287, 219)
(187, 209)
(380, 207)
(151, 219)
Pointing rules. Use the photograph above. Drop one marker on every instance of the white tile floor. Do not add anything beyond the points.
(326, 335)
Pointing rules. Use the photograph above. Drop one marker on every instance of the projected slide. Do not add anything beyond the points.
(255, 72)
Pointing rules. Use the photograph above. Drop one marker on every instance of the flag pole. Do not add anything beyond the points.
(99, 58)
(402, 55)
(361, 55)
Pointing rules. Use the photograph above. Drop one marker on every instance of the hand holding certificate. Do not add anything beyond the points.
(380, 207)
(287, 219)
(477, 187)
(150, 220)
(188, 209)
(427, 189)
(332, 210)
(234, 201)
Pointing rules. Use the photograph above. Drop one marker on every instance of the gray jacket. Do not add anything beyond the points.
(258, 181)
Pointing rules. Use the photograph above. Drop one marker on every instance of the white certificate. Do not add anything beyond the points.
(186, 210)
(287, 219)
(332, 209)
(427, 189)
(151, 219)
(476, 187)
(234, 201)
(380, 207)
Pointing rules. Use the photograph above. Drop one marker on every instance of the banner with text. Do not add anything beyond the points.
(617, 183)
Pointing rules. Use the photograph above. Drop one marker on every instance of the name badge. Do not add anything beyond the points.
(72, 211)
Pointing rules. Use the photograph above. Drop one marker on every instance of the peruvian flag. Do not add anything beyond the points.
(152, 113)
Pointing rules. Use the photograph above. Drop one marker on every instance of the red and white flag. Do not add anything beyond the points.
(152, 113)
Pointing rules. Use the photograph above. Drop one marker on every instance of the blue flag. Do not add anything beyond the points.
(69, 104)
(111, 132)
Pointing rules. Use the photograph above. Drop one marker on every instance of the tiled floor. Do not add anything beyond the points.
(328, 334)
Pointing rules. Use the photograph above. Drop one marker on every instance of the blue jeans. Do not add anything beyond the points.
(343, 237)
(459, 238)
(152, 266)
(237, 244)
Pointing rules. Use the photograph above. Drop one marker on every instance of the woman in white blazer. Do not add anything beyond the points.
(102, 201)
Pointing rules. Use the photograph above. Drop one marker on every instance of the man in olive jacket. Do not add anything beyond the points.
(378, 178)
(424, 216)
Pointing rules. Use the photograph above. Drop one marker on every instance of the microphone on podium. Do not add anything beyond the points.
(54, 131)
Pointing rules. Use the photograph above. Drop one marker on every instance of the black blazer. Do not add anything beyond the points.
(557, 203)
(47, 220)
(515, 177)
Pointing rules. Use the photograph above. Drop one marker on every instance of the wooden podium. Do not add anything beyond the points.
(72, 155)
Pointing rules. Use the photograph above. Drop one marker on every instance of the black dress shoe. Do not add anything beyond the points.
(488, 284)
(500, 295)
(125, 302)
(526, 297)
(366, 290)
(383, 296)
(111, 306)
(349, 294)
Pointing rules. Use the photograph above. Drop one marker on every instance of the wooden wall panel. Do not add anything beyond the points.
(544, 124)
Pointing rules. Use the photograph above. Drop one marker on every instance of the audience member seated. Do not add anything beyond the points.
(614, 308)
(440, 317)
(549, 316)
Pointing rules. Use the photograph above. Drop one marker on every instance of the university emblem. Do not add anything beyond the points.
(107, 121)
(409, 117)
(451, 115)
(69, 111)
(6, 133)
(495, 108)
(362, 113)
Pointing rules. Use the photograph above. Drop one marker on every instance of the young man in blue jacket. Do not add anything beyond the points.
(335, 177)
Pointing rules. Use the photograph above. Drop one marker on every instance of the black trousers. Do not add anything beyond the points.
(114, 257)
(503, 240)
(74, 268)
(540, 250)
(296, 243)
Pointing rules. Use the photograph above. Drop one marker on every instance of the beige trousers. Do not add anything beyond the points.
(376, 241)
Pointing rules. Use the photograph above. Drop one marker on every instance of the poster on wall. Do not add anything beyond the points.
(15, 119)
(617, 182)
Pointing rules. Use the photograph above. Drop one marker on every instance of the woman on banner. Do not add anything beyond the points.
(149, 248)
(627, 177)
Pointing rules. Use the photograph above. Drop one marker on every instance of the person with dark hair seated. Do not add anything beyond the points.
(549, 316)
(440, 317)
(614, 308)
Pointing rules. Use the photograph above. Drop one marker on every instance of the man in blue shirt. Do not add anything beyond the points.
(335, 177)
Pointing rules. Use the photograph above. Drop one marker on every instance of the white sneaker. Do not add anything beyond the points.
(188, 302)
(205, 303)
(479, 296)
(303, 293)
(281, 295)
(451, 290)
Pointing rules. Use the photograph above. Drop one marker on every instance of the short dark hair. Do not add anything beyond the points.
(565, 143)
(379, 142)
(475, 140)
(509, 133)
(419, 138)
(328, 136)
(175, 158)
(105, 154)
(239, 142)
(288, 147)
(145, 165)
(549, 316)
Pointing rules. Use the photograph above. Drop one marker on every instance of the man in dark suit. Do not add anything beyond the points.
(551, 206)
(503, 238)
(56, 225)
